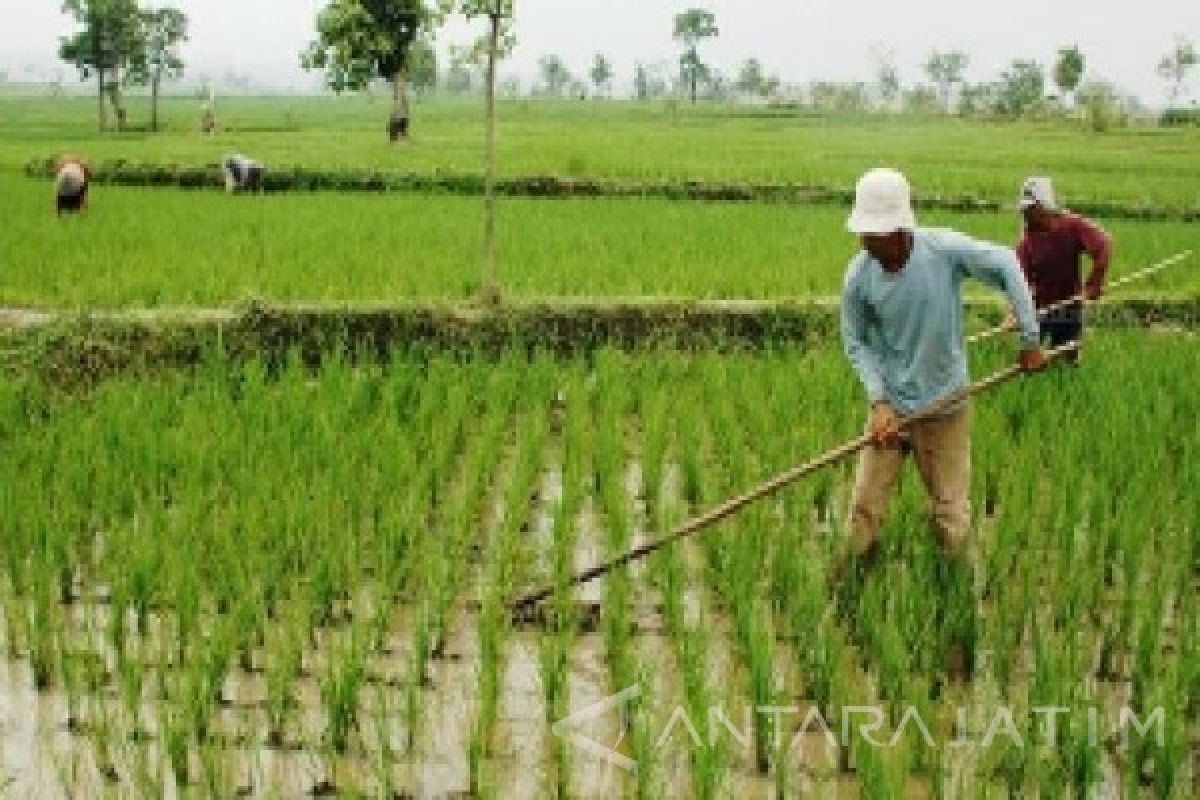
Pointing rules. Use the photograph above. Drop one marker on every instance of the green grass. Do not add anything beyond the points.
(637, 142)
(145, 247)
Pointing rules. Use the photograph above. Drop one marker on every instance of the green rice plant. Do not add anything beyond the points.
(480, 785)
(383, 753)
(1171, 757)
(507, 558)
(175, 743)
(16, 621)
(216, 770)
(763, 692)
(284, 659)
(44, 629)
(146, 773)
(417, 679)
(553, 652)
(490, 653)
(341, 684)
(449, 562)
(131, 681)
(105, 735)
(1148, 646)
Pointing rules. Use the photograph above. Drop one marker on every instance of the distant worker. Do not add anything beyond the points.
(208, 119)
(902, 329)
(71, 178)
(243, 174)
(1050, 251)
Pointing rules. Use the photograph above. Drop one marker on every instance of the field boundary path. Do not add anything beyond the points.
(552, 322)
(303, 179)
(84, 346)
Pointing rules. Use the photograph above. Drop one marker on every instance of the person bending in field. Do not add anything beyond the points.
(1051, 250)
(243, 174)
(71, 177)
(902, 330)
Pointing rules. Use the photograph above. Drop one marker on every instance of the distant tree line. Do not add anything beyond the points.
(360, 43)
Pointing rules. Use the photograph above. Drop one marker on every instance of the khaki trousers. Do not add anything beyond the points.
(941, 447)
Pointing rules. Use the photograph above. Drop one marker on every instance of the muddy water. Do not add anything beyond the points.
(37, 757)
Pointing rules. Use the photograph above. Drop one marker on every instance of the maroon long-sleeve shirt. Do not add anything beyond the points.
(1052, 261)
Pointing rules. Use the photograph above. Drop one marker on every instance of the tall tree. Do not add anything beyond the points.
(946, 70)
(887, 74)
(497, 43)
(601, 75)
(750, 77)
(692, 27)
(555, 77)
(1175, 66)
(163, 31)
(641, 82)
(1068, 69)
(109, 42)
(753, 81)
(1022, 88)
(649, 81)
(360, 40)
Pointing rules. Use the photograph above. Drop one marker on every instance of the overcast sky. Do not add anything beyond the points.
(801, 40)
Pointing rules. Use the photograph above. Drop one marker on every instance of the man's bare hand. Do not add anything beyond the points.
(885, 425)
(1033, 359)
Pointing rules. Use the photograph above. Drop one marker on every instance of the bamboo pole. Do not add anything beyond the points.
(731, 507)
(1081, 298)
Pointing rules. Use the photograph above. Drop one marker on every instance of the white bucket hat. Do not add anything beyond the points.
(1037, 191)
(882, 203)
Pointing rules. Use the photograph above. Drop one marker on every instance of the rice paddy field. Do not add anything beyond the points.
(652, 141)
(281, 580)
(160, 247)
(292, 575)
(156, 247)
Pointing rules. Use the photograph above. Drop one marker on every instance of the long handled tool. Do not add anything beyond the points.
(1081, 298)
(730, 507)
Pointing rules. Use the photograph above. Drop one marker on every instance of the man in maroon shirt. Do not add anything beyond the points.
(1051, 251)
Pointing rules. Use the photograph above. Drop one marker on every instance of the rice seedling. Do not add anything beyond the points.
(284, 658)
(341, 684)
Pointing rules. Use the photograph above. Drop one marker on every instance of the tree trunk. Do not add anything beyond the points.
(101, 115)
(490, 290)
(398, 124)
(115, 92)
(400, 93)
(154, 101)
(693, 82)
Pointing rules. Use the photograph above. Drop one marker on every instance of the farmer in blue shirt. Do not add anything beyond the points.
(902, 327)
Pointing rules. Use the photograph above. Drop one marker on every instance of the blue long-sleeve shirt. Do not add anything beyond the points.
(903, 331)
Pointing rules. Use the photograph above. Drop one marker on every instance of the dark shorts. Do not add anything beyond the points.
(397, 127)
(1063, 326)
(254, 179)
(248, 178)
(70, 203)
